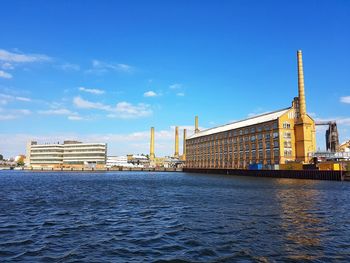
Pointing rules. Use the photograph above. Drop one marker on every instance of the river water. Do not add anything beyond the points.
(150, 217)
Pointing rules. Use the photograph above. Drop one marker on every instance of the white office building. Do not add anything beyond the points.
(68, 154)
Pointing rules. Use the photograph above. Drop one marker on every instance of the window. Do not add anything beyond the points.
(286, 125)
(287, 135)
(287, 153)
(275, 135)
(287, 144)
(268, 154)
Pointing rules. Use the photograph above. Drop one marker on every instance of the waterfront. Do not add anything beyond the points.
(140, 216)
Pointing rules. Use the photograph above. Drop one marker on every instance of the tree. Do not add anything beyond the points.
(1, 157)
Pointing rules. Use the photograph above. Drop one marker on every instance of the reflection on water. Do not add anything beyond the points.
(301, 222)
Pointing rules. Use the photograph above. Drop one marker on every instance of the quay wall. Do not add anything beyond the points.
(295, 174)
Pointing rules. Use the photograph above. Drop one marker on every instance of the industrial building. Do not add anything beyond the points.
(279, 137)
(70, 154)
(176, 160)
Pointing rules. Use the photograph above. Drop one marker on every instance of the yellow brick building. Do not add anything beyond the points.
(279, 137)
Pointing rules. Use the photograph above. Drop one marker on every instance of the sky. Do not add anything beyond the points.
(106, 71)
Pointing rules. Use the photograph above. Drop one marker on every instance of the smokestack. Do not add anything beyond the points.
(301, 88)
(151, 155)
(176, 155)
(196, 130)
(184, 146)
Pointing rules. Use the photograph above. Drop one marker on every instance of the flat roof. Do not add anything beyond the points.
(243, 123)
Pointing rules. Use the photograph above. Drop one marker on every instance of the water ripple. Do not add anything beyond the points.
(171, 217)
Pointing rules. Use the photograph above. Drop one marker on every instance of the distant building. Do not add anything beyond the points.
(345, 146)
(69, 154)
(138, 160)
(118, 161)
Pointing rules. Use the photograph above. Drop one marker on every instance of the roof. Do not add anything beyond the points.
(243, 123)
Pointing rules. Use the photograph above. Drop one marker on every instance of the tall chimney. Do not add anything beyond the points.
(301, 88)
(151, 155)
(184, 146)
(196, 130)
(176, 155)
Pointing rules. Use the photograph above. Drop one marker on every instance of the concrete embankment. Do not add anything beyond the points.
(296, 174)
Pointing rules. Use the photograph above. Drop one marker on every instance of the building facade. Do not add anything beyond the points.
(279, 137)
(72, 154)
(118, 161)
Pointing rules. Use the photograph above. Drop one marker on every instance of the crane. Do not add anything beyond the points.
(332, 137)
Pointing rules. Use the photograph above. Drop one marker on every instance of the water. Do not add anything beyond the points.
(127, 216)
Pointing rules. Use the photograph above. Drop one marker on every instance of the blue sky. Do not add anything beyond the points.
(108, 70)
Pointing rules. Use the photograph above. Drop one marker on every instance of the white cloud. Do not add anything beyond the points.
(22, 111)
(75, 118)
(11, 114)
(123, 110)
(150, 94)
(23, 99)
(5, 75)
(7, 66)
(5, 117)
(180, 94)
(70, 67)
(22, 58)
(127, 110)
(56, 112)
(5, 98)
(345, 99)
(175, 86)
(85, 104)
(72, 116)
(10, 60)
(100, 67)
(92, 91)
